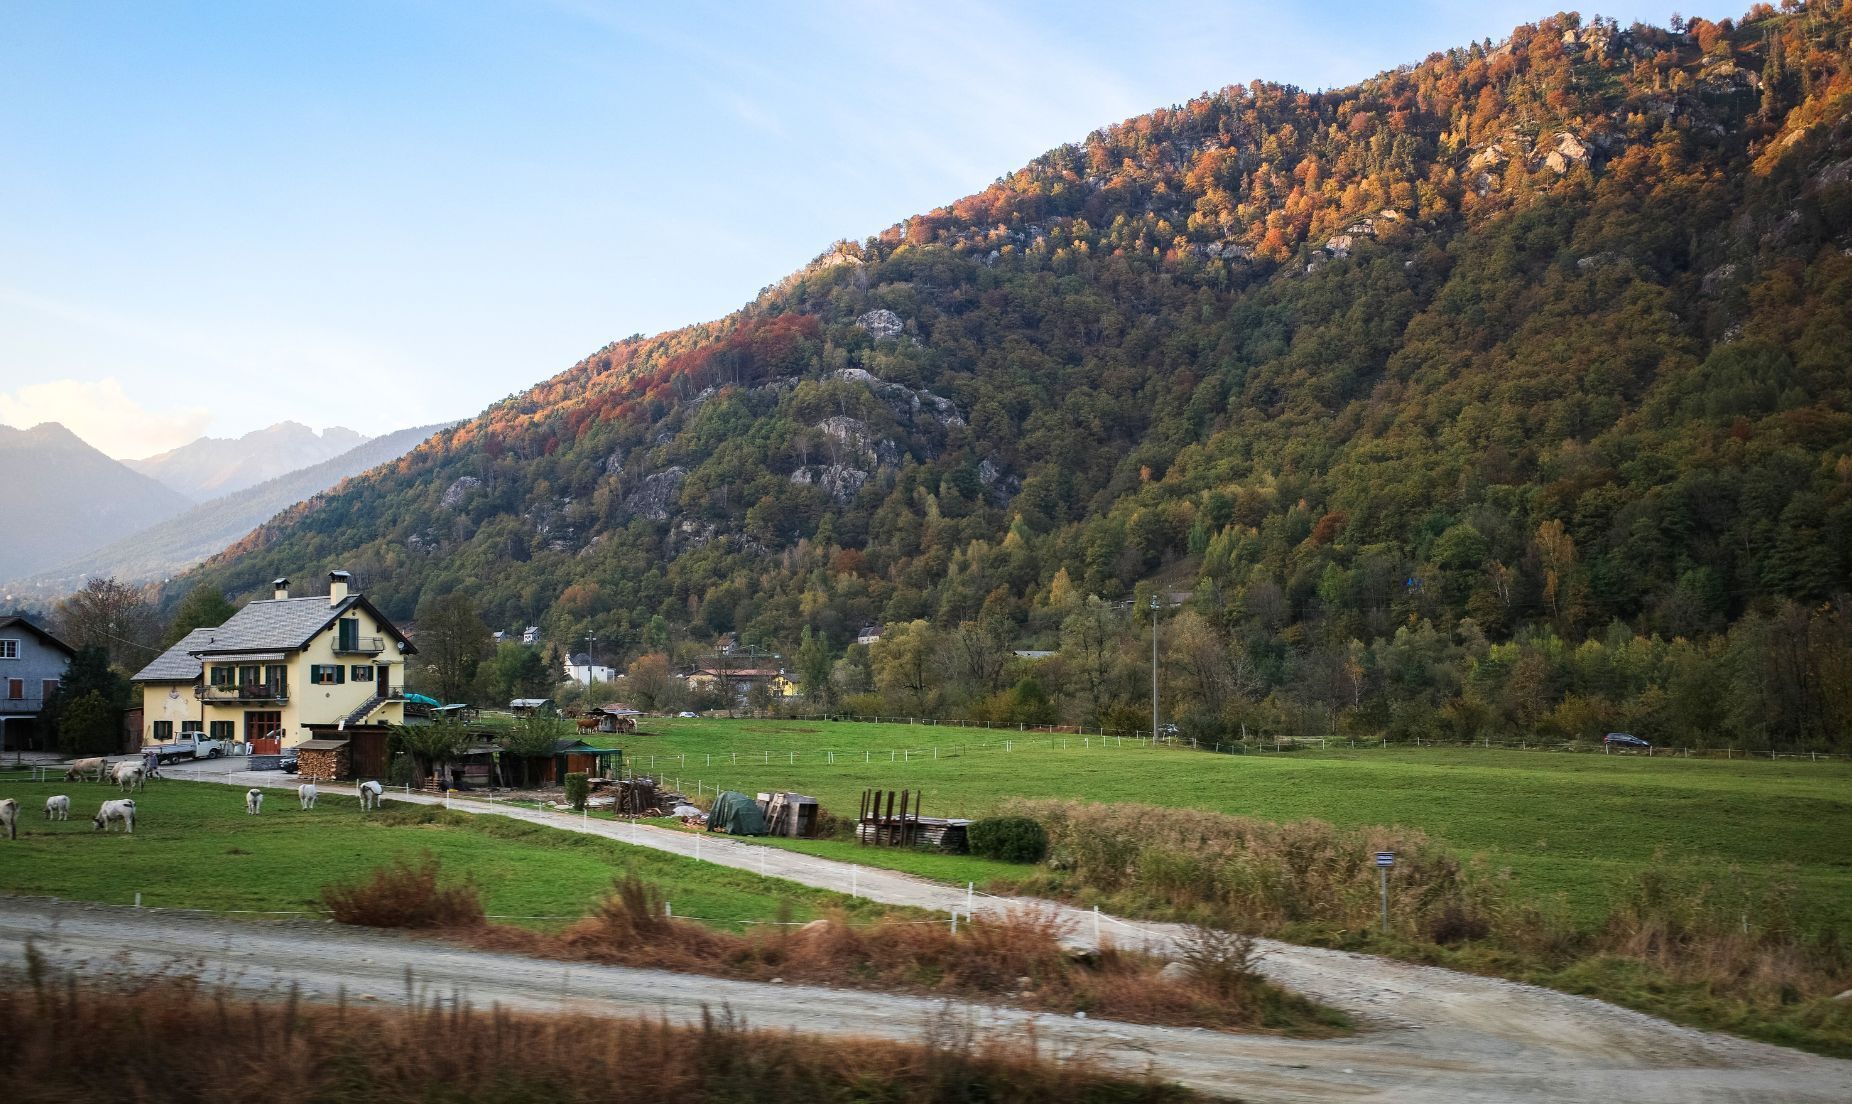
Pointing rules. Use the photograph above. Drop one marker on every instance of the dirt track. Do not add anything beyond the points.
(1429, 1034)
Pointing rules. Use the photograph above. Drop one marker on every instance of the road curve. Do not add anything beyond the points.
(1428, 1033)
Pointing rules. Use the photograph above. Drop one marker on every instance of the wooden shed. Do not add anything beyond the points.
(577, 755)
(368, 748)
(614, 717)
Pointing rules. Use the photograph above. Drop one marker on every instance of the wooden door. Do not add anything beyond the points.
(382, 680)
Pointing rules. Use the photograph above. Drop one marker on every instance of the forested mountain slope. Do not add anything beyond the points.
(1415, 386)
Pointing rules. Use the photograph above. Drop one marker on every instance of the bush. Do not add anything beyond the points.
(1009, 838)
(405, 895)
(399, 772)
(577, 789)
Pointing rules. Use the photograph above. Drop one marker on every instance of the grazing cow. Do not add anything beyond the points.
(588, 724)
(9, 817)
(57, 807)
(76, 769)
(370, 794)
(122, 809)
(307, 794)
(253, 801)
(129, 776)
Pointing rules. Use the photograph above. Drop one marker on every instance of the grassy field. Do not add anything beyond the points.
(1569, 827)
(194, 847)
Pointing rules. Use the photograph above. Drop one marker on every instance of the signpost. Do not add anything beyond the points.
(1385, 860)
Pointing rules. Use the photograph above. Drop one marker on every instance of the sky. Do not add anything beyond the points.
(395, 212)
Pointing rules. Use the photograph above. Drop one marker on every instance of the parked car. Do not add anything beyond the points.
(288, 763)
(685, 714)
(190, 747)
(1624, 740)
(1167, 729)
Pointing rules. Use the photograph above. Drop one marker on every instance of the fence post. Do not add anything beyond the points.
(855, 880)
(1096, 926)
(970, 888)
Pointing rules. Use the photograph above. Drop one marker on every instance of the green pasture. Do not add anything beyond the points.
(194, 847)
(1569, 827)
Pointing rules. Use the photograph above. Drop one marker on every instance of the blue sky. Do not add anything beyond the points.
(394, 212)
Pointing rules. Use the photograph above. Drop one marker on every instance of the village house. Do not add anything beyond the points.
(280, 672)
(32, 661)
(581, 669)
(741, 680)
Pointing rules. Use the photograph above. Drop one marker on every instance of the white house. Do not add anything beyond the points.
(581, 669)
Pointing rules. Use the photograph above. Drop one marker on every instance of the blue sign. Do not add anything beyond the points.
(1385, 858)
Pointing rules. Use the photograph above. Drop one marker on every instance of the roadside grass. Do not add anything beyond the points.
(194, 847)
(1574, 830)
(443, 1051)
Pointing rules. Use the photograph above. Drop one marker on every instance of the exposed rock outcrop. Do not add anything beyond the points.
(881, 323)
(458, 491)
(656, 496)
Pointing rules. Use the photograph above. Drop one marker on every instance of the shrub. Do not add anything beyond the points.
(1009, 838)
(405, 894)
(399, 771)
(577, 789)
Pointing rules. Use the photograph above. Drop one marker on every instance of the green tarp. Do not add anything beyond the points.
(736, 814)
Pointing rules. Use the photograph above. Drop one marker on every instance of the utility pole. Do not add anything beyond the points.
(591, 645)
(1154, 668)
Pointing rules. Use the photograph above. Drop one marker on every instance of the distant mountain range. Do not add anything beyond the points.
(59, 495)
(74, 513)
(213, 466)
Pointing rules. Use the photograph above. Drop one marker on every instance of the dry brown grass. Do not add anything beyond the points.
(171, 1040)
(1018, 958)
(405, 894)
(1679, 947)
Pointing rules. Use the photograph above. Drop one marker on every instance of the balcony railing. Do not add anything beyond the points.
(360, 645)
(249, 692)
(31, 704)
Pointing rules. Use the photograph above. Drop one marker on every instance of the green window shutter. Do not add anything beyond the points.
(315, 674)
(340, 675)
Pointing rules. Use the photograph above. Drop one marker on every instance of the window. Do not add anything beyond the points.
(250, 676)
(48, 687)
(259, 725)
(360, 673)
(331, 674)
(16, 689)
(222, 676)
(189, 728)
(9, 649)
(222, 730)
(276, 676)
(163, 731)
(348, 634)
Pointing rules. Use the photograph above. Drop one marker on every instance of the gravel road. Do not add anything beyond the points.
(1428, 1034)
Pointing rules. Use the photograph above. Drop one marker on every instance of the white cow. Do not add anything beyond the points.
(307, 794)
(122, 809)
(370, 794)
(9, 817)
(57, 807)
(129, 775)
(253, 801)
(76, 769)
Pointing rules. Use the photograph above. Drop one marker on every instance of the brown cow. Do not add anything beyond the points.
(588, 724)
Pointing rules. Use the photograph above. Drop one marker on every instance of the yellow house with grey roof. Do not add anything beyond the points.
(276, 668)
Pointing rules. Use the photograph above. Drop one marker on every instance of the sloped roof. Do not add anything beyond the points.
(177, 664)
(37, 630)
(286, 624)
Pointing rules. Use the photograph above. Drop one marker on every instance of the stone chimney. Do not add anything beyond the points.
(282, 589)
(337, 587)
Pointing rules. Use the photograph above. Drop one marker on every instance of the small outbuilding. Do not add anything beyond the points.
(614, 717)
(533, 707)
(323, 760)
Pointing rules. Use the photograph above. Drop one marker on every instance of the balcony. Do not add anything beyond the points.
(249, 692)
(13, 707)
(360, 645)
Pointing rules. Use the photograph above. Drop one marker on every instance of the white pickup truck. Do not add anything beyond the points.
(188, 747)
